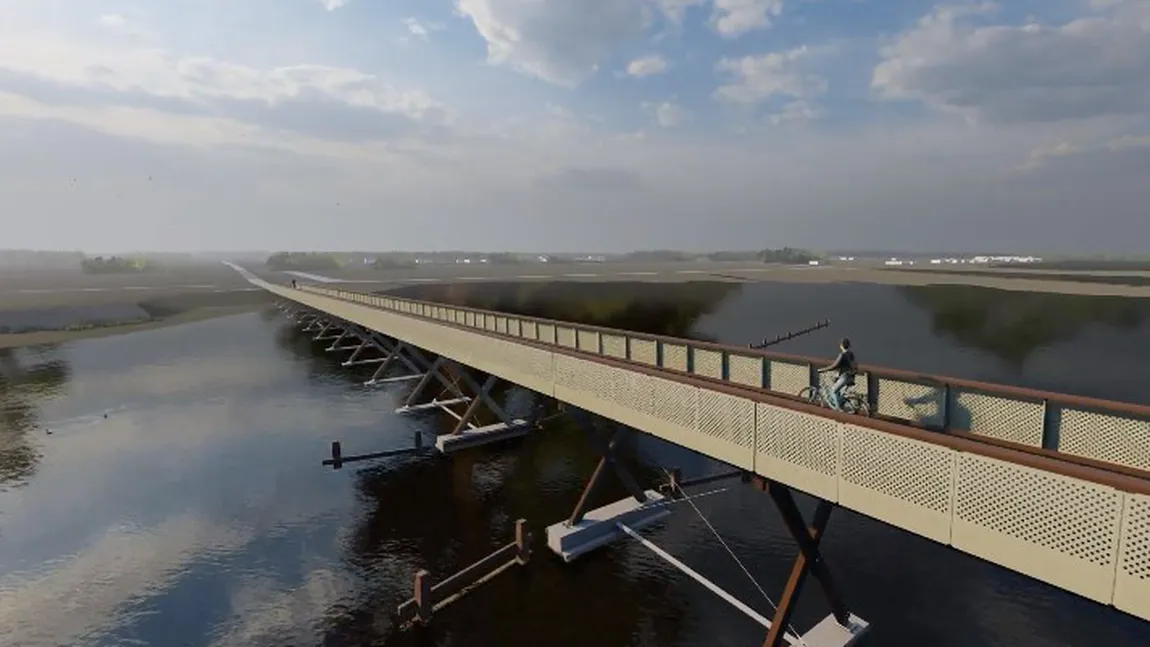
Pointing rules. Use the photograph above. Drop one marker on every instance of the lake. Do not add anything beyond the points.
(179, 498)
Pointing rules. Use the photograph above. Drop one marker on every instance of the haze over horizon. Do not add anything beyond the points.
(574, 125)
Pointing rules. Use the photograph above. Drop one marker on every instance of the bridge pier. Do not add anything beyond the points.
(466, 433)
(839, 629)
(585, 530)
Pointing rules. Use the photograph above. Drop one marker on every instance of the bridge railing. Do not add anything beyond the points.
(1109, 432)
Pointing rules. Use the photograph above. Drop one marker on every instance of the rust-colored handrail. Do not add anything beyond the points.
(1012, 392)
(1119, 477)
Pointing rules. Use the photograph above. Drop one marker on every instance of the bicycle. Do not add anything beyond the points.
(853, 402)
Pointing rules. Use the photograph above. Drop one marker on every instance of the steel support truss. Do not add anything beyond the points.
(607, 445)
(368, 347)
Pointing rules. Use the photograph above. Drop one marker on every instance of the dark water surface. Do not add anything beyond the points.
(196, 513)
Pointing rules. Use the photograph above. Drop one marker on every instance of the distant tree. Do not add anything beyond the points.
(788, 255)
(302, 261)
(114, 265)
(391, 263)
(503, 258)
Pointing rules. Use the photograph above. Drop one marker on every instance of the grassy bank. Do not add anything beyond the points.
(166, 310)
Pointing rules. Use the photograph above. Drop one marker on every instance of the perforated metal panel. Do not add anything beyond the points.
(674, 357)
(489, 322)
(587, 340)
(911, 401)
(708, 363)
(469, 319)
(675, 403)
(1116, 439)
(644, 350)
(787, 377)
(570, 373)
(615, 346)
(797, 449)
(728, 422)
(1062, 530)
(745, 370)
(1018, 421)
(501, 325)
(1132, 586)
(515, 326)
(636, 391)
(902, 481)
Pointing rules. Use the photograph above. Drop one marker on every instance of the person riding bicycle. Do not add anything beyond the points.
(847, 367)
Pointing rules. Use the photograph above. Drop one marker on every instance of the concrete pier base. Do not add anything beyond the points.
(467, 438)
(829, 633)
(598, 527)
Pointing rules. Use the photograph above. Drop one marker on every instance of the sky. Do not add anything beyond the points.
(575, 125)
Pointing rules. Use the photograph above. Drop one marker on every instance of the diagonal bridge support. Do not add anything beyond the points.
(840, 628)
(585, 530)
(466, 433)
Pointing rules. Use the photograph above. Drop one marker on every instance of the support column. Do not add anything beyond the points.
(466, 433)
(585, 530)
(841, 627)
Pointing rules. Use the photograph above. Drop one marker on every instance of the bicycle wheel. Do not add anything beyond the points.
(856, 404)
(810, 394)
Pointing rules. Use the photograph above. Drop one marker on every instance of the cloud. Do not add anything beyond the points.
(559, 41)
(647, 66)
(421, 30)
(667, 114)
(755, 79)
(1093, 66)
(733, 18)
(332, 5)
(316, 100)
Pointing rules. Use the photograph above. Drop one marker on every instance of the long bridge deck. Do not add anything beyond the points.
(1053, 486)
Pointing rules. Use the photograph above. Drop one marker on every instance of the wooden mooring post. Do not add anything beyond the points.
(429, 597)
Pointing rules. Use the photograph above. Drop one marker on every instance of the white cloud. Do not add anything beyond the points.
(419, 29)
(733, 18)
(647, 66)
(1093, 66)
(794, 112)
(1039, 156)
(755, 79)
(559, 41)
(667, 114)
(332, 5)
(312, 100)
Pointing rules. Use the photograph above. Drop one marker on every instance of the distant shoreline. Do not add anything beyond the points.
(172, 308)
(39, 337)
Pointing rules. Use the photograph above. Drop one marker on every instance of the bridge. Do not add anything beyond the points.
(1053, 486)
